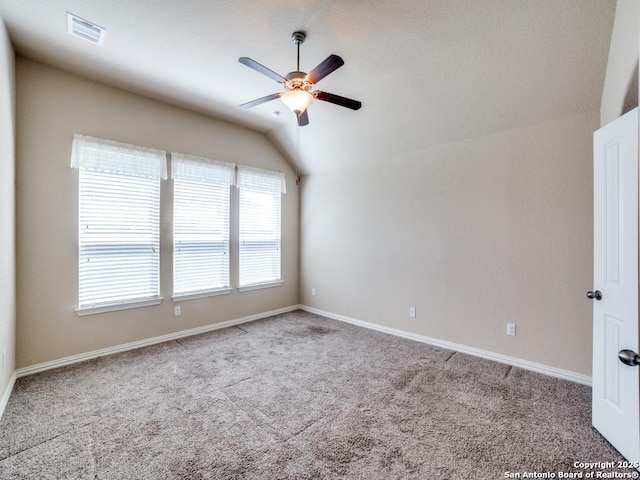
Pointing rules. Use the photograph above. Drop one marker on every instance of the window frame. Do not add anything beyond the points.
(198, 176)
(255, 181)
(106, 168)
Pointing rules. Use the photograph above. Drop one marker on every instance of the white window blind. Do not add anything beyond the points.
(201, 191)
(260, 229)
(119, 223)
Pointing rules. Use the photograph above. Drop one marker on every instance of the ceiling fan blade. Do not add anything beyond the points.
(328, 65)
(338, 100)
(303, 119)
(262, 69)
(260, 100)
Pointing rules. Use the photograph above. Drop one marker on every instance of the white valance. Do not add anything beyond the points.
(261, 180)
(121, 158)
(198, 169)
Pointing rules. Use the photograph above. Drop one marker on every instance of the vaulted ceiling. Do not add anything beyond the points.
(427, 71)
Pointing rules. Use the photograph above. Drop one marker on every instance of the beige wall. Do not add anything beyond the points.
(620, 92)
(7, 211)
(51, 107)
(473, 234)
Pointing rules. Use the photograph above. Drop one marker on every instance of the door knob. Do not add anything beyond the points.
(597, 295)
(629, 357)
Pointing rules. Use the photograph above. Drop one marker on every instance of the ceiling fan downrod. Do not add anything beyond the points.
(297, 38)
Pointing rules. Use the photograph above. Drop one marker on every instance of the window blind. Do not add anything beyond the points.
(119, 223)
(201, 191)
(260, 193)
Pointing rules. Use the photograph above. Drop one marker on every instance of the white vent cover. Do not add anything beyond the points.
(81, 28)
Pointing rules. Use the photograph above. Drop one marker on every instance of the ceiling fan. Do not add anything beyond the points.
(298, 84)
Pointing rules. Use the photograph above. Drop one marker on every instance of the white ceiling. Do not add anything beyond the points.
(427, 71)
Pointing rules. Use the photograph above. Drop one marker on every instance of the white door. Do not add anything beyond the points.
(616, 402)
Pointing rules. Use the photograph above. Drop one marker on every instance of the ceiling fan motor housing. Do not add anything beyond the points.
(297, 80)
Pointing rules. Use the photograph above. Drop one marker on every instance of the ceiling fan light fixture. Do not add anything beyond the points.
(297, 100)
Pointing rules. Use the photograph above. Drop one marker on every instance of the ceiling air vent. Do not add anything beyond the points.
(81, 28)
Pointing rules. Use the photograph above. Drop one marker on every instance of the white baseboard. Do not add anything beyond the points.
(61, 362)
(7, 393)
(497, 357)
(516, 362)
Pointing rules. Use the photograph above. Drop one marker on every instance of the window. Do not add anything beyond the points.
(119, 224)
(260, 235)
(201, 190)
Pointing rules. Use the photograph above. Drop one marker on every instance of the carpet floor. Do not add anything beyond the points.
(297, 396)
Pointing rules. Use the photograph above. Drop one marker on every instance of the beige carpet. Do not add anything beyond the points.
(295, 396)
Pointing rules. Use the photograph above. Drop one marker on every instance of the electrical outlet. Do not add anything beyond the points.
(178, 310)
(511, 329)
(412, 312)
(313, 292)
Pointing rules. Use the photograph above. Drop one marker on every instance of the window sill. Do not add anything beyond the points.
(208, 293)
(118, 306)
(258, 286)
